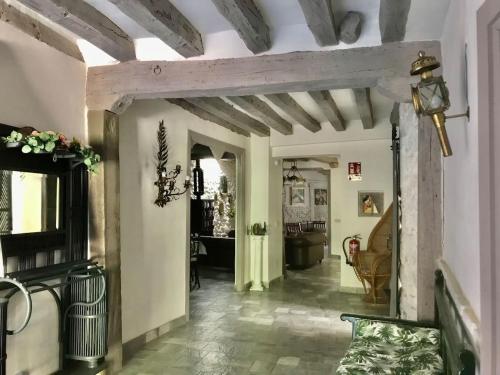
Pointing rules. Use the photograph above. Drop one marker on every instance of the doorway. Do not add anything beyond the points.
(215, 214)
(346, 216)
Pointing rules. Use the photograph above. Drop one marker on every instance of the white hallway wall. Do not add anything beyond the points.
(154, 239)
(460, 172)
(43, 88)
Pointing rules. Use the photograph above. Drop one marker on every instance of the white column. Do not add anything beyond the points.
(257, 246)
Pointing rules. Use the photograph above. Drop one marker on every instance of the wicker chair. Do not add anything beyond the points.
(373, 266)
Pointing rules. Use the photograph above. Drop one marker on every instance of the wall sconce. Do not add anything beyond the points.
(167, 180)
(431, 97)
(167, 189)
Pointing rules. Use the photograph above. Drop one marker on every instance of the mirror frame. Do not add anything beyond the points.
(72, 236)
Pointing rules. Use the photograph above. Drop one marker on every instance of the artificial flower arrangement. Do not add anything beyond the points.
(55, 143)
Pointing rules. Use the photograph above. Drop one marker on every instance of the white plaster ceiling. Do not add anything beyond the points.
(289, 31)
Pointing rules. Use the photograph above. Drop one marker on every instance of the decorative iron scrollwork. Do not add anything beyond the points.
(167, 180)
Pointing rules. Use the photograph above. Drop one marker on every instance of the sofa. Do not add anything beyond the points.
(304, 249)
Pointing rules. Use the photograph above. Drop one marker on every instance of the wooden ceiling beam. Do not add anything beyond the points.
(248, 22)
(329, 108)
(38, 30)
(267, 74)
(292, 108)
(87, 23)
(260, 109)
(320, 20)
(365, 108)
(225, 111)
(163, 20)
(204, 115)
(393, 16)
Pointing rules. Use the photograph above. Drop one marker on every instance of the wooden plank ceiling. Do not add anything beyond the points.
(242, 114)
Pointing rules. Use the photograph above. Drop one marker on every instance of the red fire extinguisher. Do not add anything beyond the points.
(354, 247)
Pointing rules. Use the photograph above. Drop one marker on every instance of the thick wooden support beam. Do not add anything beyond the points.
(246, 18)
(227, 112)
(268, 74)
(329, 108)
(204, 115)
(365, 109)
(104, 223)
(38, 30)
(393, 16)
(291, 107)
(319, 18)
(88, 23)
(163, 20)
(260, 109)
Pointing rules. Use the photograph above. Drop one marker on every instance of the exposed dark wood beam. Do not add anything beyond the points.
(267, 74)
(87, 23)
(393, 16)
(247, 19)
(329, 108)
(227, 112)
(292, 108)
(319, 18)
(260, 109)
(38, 30)
(365, 109)
(163, 20)
(204, 115)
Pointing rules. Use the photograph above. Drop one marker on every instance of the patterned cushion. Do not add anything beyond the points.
(382, 348)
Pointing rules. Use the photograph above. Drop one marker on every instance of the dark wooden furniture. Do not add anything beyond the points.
(29, 259)
(457, 350)
(71, 238)
(304, 249)
(220, 251)
(202, 216)
(194, 275)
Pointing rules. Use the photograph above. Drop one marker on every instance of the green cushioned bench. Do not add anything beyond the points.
(401, 347)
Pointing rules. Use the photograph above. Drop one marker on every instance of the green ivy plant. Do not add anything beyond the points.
(90, 158)
(14, 137)
(38, 142)
(56, 143)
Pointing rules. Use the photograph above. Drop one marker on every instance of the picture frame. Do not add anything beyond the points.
(320, 197)
(370, 203)
(297, 196)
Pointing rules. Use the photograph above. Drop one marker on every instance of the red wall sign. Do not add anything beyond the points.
(354, 171)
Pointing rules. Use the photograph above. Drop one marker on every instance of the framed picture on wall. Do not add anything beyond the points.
(320, 197)
(297, 196)
(370, 203)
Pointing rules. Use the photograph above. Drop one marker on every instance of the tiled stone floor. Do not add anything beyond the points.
(293, 328)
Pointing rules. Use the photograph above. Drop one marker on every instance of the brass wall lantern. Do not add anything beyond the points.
(431, 97)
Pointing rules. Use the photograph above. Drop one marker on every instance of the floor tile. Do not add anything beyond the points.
(294, 328)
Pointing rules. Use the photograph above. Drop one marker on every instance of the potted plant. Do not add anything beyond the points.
(13, 140)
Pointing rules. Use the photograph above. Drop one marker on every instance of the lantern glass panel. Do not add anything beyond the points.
(433, 96)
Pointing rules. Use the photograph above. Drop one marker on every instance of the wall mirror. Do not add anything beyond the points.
(29, 202)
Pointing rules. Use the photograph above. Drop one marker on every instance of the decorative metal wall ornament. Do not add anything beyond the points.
(293, 175)
(198, 181)
(166, 183)
(431, 97)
